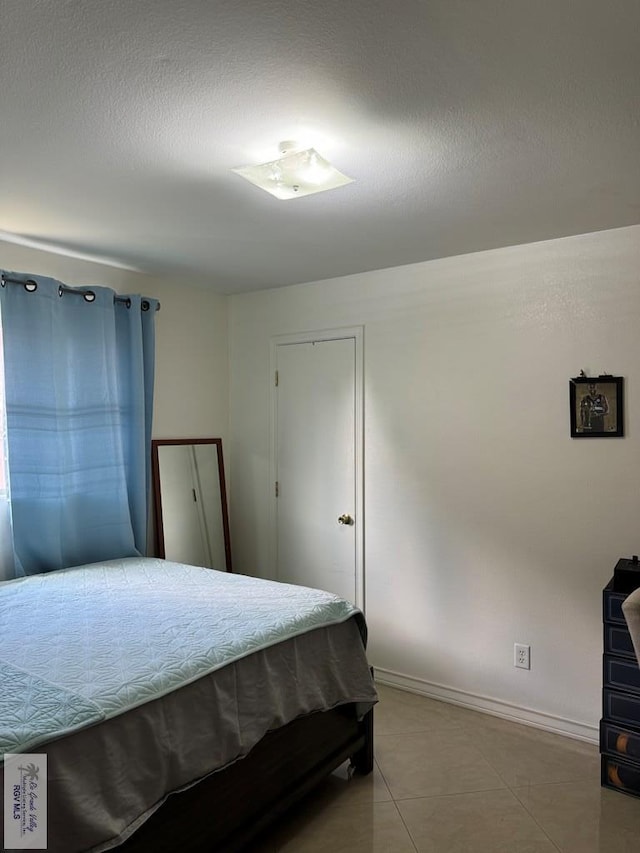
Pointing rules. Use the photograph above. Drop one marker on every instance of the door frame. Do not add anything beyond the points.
(356, 333)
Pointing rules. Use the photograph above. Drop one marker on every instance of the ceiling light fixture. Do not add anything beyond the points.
(295, 173)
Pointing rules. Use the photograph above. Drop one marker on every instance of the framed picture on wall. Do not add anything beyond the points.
(596, 406)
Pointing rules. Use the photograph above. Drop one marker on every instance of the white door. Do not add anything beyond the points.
(317, 448)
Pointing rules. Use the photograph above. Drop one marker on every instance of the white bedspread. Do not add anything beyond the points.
(63, 668)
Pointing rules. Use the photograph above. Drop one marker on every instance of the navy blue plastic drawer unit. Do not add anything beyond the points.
(620, 724)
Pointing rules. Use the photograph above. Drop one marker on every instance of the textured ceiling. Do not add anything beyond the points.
(467, 125)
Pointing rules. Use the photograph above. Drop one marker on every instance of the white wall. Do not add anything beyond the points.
(191, 388)
(486, 524)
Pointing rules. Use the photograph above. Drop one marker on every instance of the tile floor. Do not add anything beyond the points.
(448, 780)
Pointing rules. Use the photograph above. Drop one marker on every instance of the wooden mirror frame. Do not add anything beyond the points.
(155, 469)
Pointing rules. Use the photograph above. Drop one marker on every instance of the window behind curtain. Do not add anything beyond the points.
(78, 388)
(3, 430)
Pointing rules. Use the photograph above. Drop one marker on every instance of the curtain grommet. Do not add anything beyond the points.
(29, 284)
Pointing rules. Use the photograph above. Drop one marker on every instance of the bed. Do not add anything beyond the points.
(179, 707)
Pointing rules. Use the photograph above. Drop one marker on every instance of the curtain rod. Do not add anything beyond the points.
(30, 285)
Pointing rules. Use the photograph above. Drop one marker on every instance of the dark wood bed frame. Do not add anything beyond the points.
(228, 809)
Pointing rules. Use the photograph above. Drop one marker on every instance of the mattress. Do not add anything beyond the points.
(139, 677)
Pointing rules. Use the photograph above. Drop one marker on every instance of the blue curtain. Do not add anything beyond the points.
(79, 400)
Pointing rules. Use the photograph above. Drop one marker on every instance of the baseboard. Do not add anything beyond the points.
(487, 705)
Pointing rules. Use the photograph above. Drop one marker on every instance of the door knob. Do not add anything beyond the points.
(345, 519)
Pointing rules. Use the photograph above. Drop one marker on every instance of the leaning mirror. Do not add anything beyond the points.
(192, 523)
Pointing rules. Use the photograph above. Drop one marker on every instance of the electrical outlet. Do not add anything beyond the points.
(522, 656)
